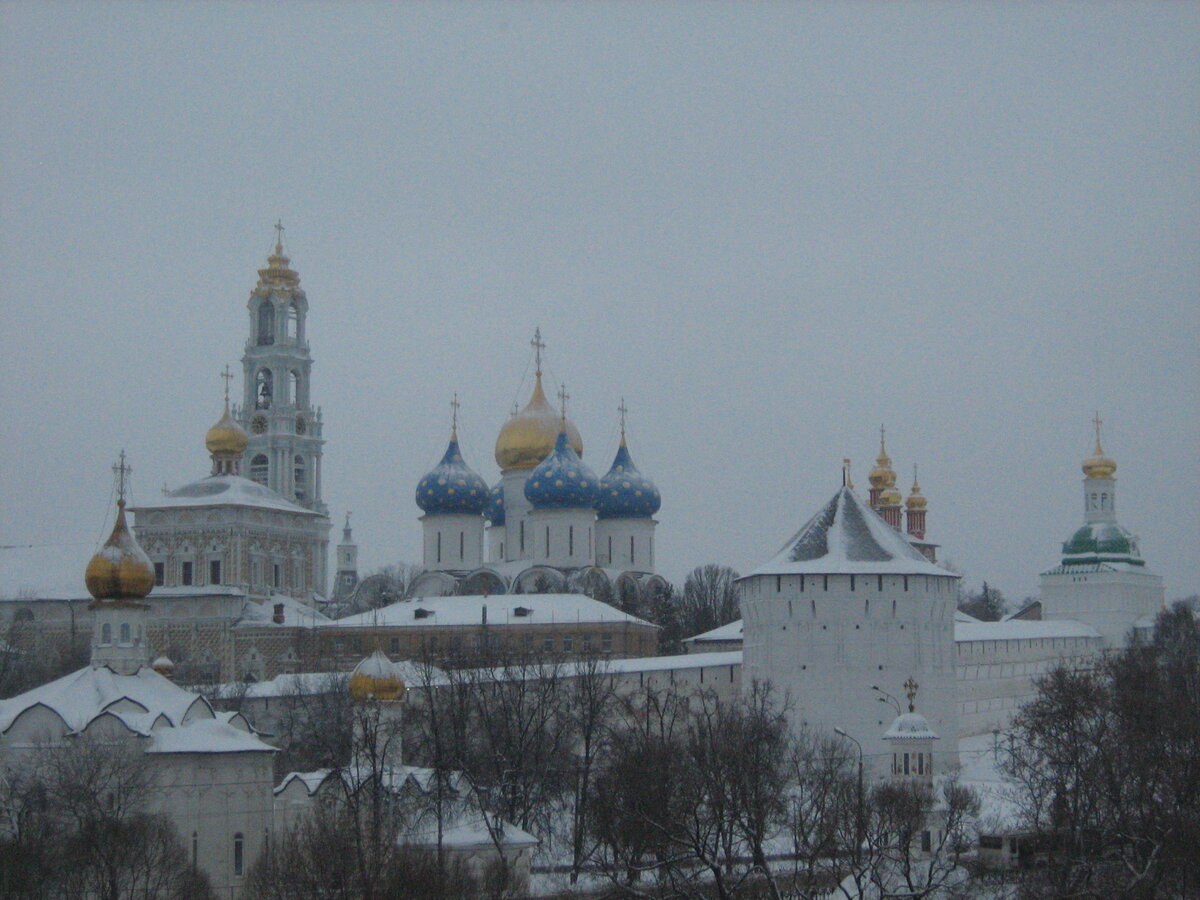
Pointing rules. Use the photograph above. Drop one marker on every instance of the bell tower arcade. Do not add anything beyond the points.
(284, 451)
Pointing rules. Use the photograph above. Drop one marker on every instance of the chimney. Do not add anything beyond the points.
(277, 617)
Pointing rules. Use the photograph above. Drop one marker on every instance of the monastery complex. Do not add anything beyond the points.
(226, 579)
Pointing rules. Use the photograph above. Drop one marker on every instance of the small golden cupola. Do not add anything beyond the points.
(377, 678)
(528, 437)
(1098, 465)
(916, 500)
(226, 440)
(882, 476)
(120, 572)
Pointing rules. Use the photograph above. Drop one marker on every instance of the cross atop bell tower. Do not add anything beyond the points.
(284, 451)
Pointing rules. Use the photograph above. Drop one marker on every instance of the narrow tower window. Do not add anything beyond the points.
(301, 479)
(239, 861)
(258, 469)
(266, 323)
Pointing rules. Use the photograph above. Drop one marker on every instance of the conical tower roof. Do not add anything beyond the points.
(847, 537)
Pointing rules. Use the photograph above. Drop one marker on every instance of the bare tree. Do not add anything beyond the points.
(316, 726)
(590, 706)
(1108, 765)
(710, 599)
(86, 826)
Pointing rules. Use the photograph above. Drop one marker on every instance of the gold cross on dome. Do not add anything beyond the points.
(910, 691)
(228, 376)
(1097, 421)
(563, 397)
(279, 236)
(122, 471)
(538, 346)
(454, 404)
(622, 409)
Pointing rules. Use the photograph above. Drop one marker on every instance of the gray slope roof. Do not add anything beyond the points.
(847, 537)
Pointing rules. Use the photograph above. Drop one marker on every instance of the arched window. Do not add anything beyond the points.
(106, 633)
(301, 478)
(295, 388)
(264, 389)
(124, 632)
(239, 854)
(266, 323)
(1104, 501)
(259, 469)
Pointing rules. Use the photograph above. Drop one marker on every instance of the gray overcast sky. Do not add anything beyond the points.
(770, 227)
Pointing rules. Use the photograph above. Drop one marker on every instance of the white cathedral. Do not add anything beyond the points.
(549, 524)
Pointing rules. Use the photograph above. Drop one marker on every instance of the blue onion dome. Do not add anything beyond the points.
(625, 493)
(495, 505)
(452, 486)
(562, 481)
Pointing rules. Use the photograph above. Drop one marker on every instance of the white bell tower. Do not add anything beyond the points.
(284, 452)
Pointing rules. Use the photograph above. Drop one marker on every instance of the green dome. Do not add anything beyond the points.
(1101, 542)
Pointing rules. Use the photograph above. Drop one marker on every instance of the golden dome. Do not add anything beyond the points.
(1098, 465)
(882, 475)
(227, 437)
(376, 678)
(916, 500)
(890, 496)
(528, 437)
(120, 570)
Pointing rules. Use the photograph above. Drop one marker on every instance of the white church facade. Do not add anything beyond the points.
(549, 524)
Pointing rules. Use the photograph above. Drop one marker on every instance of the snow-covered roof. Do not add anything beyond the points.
(1021, 629)
(310, 780)
(206, 736)
(847, 537)
(175, 720)
(464, 828)
(224, 490)
(676, 663)
(295, 613)
(502, 609)
(302, 683)
(960, 616)
(80, 696)
(731, 631)
(911, 726)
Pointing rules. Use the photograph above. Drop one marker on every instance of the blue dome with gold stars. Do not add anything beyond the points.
(625, 493)
(562, 481)
(452, 486)
(494, 511)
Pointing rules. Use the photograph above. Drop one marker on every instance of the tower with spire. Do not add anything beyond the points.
(452, 496)
(1102, 579)
(119, 577)
(527, 438)
(284, 449)
(562, 493)
(885, 499)
(346, 578)
(625, 512)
